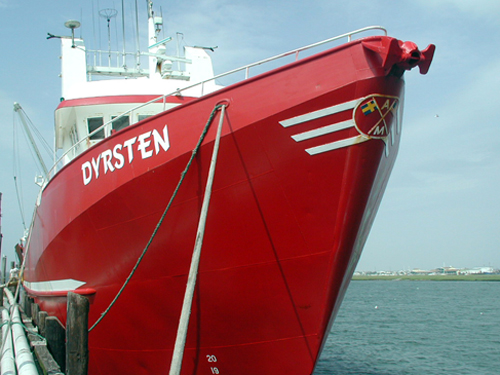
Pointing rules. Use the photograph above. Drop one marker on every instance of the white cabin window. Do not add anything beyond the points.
(143, 117)
(121, 123)
(94, 123)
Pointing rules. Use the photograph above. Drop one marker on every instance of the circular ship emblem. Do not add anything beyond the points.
(374, 115)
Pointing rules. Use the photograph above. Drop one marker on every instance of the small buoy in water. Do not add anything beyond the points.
(480, 313)
(376, 307)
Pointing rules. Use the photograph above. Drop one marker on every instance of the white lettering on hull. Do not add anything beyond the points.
(146, 145)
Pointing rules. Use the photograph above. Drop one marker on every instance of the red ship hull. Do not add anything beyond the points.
(285, 226)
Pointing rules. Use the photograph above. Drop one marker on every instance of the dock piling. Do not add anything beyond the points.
(55, 334)
(42, 316)
(35, 309)
(77, 355)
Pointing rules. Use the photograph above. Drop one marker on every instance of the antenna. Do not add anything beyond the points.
(137, 36)
(72, 24)
(108, 13)
(123, 31)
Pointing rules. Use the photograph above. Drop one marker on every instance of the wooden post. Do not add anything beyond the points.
(55, 335)
(27, 305)
(35, 309)
(42, 316)
(77, 334)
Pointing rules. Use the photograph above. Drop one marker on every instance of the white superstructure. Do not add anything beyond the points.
(106, 91)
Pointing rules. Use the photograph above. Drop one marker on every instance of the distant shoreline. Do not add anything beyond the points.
(495, 277)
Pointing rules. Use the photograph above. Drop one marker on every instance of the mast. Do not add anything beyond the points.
(137, 45)
(151, 39)
(154, 27)
(123, 35)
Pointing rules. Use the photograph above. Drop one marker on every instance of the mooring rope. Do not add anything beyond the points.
(183, 175)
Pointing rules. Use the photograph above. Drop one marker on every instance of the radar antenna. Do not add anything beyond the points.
(71, 24)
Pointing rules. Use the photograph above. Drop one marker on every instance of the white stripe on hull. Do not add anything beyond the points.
(341, 125)
(320, 113)
(323, 130)
(335, 145)
(54, 285)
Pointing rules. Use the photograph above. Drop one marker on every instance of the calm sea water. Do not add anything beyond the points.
(415, 327)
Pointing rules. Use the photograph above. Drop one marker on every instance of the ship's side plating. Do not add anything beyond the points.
(297, 185)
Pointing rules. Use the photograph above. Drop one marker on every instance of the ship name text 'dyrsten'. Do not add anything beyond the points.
(145, 145)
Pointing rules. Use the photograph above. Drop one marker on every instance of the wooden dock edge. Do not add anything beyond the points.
(45, 361)
(61, 350)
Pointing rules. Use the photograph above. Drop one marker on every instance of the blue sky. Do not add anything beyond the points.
(442, 204)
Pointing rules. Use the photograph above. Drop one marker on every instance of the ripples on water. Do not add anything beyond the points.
(415, 327)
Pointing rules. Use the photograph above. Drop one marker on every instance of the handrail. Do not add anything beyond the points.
(120, 55)
(201, 84)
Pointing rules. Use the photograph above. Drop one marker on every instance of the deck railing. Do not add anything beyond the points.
(65, 158)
